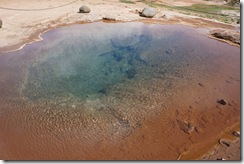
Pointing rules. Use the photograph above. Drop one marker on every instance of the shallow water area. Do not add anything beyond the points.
(90, 87)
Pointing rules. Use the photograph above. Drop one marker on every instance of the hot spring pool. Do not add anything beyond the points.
(99, 81)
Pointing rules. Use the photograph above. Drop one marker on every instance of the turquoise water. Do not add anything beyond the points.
(88, 63)
(97, 83)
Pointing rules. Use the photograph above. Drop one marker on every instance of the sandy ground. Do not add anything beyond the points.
(21, 26)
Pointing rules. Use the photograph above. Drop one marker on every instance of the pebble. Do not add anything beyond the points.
(200, 84)
(224, 142)
(235, 133)
(222, 102)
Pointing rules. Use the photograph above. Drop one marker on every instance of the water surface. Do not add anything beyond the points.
(87, 84)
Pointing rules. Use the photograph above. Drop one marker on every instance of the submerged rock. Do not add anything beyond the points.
(84, 9)
(131, 73)
(117, 55)
(148, 12)
(103, 91)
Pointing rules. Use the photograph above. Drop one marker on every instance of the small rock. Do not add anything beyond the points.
(200, 84)
(222, 102)
(227, 35)
(186, 126)
(235, 133)
(224, 142)
(130, 73)
(1, 23)
(148, 12)
(169, 51)
(103, 91)
(84, 9)
(109, 19)
(164, 17)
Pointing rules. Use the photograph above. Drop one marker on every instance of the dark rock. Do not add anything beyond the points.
(130, 48)
(164, 17)
(225, 142)
(235, 133)
(131, 73)
(200, 84)
(1, 23)
(169, 51)
(109, 19)
(118, 56)
(222, 102)
(136, 11)
(103, 91)
(84, 9)
(148, 12)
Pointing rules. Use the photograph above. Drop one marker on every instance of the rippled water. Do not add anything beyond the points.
(86, 84)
